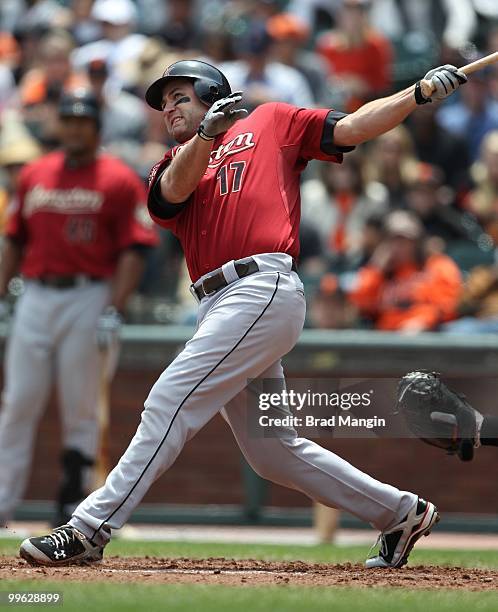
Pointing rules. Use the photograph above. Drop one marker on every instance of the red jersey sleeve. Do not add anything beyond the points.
(310, 131)
(133, 225)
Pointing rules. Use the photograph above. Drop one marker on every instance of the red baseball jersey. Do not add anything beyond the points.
(77, 220)
(248, 201)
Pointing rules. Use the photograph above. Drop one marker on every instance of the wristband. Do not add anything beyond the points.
(202, 134)
(419, 98)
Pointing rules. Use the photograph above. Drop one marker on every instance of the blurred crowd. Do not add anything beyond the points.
(402, 236)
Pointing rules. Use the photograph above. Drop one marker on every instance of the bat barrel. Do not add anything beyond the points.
(480, 63)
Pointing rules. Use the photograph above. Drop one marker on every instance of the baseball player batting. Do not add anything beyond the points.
(230, 192)
(76, 233)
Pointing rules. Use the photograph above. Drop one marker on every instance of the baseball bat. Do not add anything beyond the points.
(102, 460)
(427, 86)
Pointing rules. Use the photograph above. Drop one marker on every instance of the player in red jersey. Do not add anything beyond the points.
(77, 231)
(230, 192)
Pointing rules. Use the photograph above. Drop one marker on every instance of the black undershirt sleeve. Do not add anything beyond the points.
(158, 206)
(327, 144)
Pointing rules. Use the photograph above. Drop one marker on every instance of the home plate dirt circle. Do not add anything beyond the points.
(249, 572)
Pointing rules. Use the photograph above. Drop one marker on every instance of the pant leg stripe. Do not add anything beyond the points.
(182, 404)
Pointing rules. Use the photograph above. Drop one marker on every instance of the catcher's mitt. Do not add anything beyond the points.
(437, 415)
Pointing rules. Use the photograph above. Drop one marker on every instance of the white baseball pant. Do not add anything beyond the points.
(243, 331)
(52, 341)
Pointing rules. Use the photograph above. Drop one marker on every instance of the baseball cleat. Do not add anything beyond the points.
(64, 546)
(397, 543)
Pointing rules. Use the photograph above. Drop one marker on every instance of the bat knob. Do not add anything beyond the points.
(427, 88)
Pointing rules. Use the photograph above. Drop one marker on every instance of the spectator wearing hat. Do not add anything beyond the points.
(8, 91)
(124, 118)
(41, 86)
(478, 306)
(140, 72)
(435, 145)
(432, 201)
(119, 44)
(330, 308)
(260, 78)
(403, 288)
(482, 201)
(337, 205)
(371, 236)
(388, 165)
(357, 55)
(312, 258)
(289, 35)
(9, 58)
(451, 22)
(11, 13)
(17, 148)
(42, 15)
(82, 26)
(180, 30)
(53, 72)
(491, 47)
(318, 15)
(474, 114)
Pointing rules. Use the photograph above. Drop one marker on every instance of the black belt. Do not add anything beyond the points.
(66, 282)
(216, 279)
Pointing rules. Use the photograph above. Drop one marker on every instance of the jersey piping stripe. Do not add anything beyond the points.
(182, 404)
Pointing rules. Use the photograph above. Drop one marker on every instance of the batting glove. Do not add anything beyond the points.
(109, 327)
(221, 116)
(445, 80)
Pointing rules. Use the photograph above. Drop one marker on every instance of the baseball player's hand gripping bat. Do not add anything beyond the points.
(427, 87)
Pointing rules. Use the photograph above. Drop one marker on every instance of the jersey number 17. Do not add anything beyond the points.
(236, 174)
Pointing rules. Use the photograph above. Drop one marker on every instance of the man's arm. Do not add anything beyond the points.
(380, 116)
(9, 265)
(126, 278)
(128, 273)
(186, 170)
(374, 118)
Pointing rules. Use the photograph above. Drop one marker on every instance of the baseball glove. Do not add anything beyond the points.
(437, 415)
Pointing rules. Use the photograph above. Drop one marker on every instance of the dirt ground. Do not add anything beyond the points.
(253, 572)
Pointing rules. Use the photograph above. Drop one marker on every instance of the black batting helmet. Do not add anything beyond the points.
(210, 84)
(79, 103)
